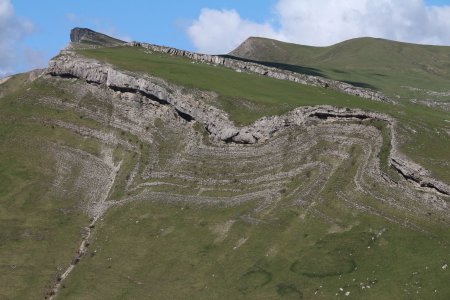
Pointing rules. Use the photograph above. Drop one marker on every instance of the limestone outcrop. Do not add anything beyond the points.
(217, 122)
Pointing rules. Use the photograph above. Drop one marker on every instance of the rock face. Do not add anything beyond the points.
(216, 121)
(88, 36)
(77, 34)
(251, 67)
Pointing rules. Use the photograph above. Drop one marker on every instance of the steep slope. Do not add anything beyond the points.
(397, 68)
(178, 201)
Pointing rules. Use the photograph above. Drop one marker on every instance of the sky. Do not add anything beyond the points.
(31, 32)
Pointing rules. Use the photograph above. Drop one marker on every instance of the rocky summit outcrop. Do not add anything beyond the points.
(252, 67)
(217, 122)
(77, 34)
(88, 37)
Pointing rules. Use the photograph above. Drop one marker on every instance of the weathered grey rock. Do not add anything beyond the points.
(216, 121)
(69, 65)
(88, 36)
(77, 34)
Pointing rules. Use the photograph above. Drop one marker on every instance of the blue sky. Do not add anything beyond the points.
(37, 30)
(161, 22)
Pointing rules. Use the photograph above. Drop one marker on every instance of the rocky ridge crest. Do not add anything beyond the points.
(252, 67)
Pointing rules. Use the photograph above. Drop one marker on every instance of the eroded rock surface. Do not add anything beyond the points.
(216, 121)
(292, 157)
(89, 37)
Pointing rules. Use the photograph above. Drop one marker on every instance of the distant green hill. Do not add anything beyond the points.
(393, 67)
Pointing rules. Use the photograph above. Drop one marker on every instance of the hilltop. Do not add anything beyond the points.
(132, 169)
(403, 70)
(83, 37)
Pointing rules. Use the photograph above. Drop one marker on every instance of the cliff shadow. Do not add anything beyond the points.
(287, 67)
(361, 85)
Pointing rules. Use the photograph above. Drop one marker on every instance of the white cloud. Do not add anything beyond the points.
(325, 22)
(219, 31)
(34, 58)
(12, 30)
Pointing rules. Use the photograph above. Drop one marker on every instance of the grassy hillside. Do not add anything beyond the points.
(247, 97)
(390, 66)
(40, 221)
(300, 216)
(148, 250)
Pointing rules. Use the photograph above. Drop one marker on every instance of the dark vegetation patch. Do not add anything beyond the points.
(254, 279)
(289, 291)
(328, 265)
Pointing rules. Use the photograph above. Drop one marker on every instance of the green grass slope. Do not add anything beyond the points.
(390, 66)
(157, 251)
(39, 225)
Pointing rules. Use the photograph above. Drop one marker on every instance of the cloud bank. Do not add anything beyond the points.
(12, 31)
(325, 22)
(216, 30)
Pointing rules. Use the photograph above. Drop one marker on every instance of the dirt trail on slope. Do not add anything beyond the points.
(96, 211)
